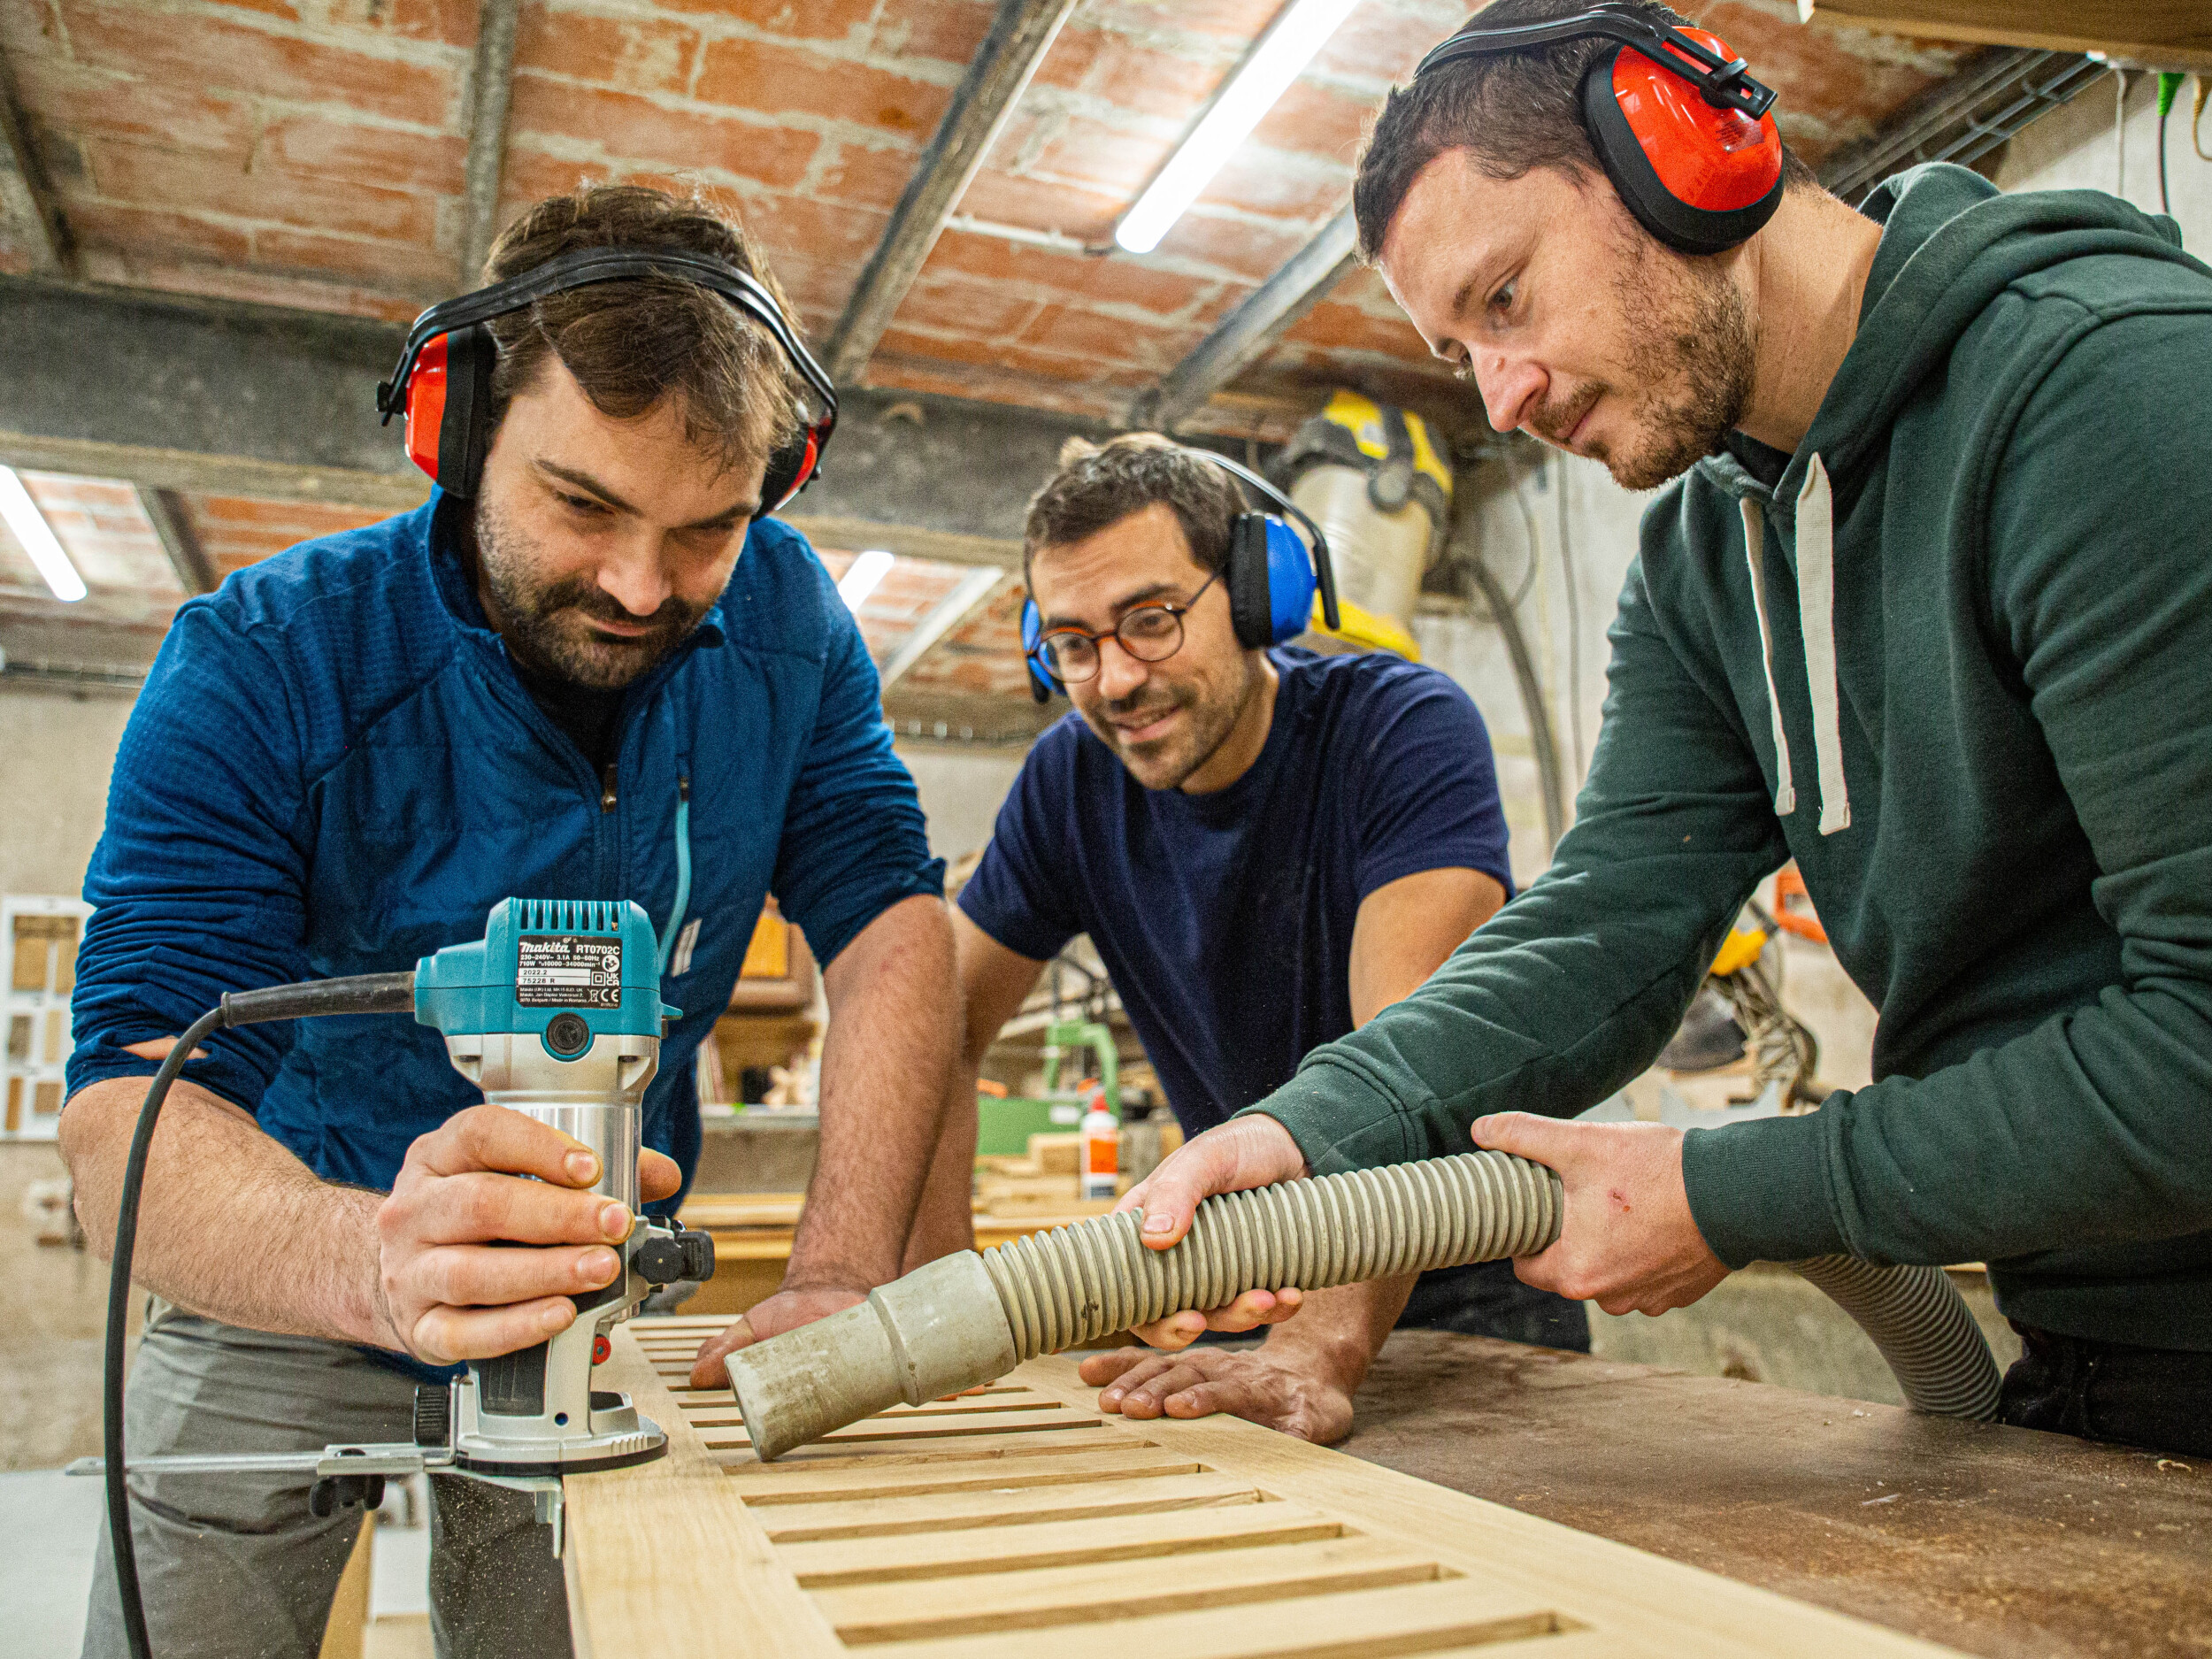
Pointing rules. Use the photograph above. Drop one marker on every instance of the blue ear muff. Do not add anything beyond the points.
(1290, 583)
(1272, 581)
(1042, 685)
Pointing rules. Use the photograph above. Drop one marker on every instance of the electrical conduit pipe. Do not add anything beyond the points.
(964, 1320)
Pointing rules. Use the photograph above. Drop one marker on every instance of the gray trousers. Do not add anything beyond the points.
(236, 1567)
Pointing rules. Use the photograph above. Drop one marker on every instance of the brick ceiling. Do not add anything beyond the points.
(310, 153)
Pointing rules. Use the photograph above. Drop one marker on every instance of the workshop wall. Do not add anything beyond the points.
(54, 787)
(960, 793)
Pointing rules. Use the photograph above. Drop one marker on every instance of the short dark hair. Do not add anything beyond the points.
(1099, 485)
(1512, 113)
(634, 342)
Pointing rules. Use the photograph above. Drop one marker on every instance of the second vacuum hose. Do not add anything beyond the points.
(964, 1320)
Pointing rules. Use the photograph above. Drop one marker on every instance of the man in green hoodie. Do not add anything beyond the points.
(1928, 607)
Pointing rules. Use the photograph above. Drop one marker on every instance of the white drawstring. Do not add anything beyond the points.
(1754, 527)
(1817, 619)
(1816, 622)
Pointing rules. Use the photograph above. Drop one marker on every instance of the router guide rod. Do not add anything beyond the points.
(554, 1013)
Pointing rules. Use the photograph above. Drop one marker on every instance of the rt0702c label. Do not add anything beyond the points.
(568, 971)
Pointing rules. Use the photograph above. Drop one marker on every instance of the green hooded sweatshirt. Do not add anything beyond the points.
(1955, 660)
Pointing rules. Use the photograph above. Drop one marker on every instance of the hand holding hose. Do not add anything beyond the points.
(1245, 1152)
(450, 1290)
(1628, 1241)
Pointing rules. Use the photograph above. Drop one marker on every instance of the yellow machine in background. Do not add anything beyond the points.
(1368, 474)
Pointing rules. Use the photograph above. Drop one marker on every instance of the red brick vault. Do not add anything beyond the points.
(315, 154)
(311, 152)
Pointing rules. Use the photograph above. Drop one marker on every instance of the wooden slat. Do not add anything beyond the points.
(888, 1517)
(909, 1478)
(1009, 1549)
(1048, 1597)
(1026, 1521)
(959, 1405)
(949, 1427)
(641, 1542)
(969, 1448)
(1354, 1624)
(1651, 1604)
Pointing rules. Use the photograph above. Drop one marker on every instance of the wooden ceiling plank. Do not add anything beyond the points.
(1245, 333)
(2165, 34)
(27, 201)
(491, 86)
(173, 528)
(1021, 34)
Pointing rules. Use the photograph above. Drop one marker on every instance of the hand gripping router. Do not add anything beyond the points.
(556, 1013)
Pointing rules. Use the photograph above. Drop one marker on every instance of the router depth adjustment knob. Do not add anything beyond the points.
(663, 1258)
(434, 1414)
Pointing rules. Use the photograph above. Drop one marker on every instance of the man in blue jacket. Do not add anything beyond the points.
(340, 761)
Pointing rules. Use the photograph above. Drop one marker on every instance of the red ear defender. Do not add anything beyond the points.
(786, 479)
(426, 406)
(1701, 177)
(443, 380)
(1683, 131)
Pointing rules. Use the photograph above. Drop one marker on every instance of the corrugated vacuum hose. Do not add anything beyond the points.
(966, 1319)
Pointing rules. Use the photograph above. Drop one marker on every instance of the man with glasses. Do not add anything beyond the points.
(1267, 847)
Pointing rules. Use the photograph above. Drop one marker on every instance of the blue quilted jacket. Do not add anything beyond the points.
(333, 769)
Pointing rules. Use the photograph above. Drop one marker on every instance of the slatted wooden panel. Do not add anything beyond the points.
(1020, 1520)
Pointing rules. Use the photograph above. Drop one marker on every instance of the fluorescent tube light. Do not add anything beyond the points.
(38, 539)
(861, 578)
(1278, 59)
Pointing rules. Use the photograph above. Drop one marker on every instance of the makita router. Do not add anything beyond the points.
(554, 1013)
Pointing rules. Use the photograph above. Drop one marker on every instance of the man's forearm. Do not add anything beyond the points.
(221, 1203)
(1340, 1331)
(945, 1222)
(890, 1048)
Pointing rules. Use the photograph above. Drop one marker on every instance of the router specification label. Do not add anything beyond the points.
(568, 971)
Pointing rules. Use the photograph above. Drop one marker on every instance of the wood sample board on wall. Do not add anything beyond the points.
(1022, 1520)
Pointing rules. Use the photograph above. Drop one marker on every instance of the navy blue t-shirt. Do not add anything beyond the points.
(1225, 919)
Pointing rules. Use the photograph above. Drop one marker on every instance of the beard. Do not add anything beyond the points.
(1208, 723)
(548, 625)
(1691, 346)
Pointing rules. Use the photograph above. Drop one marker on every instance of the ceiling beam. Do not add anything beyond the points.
(1265, 315)
(491, 84)
(26, 200)
(178, 393)
(2162, 34)
(1993, 95)
(969, 597)
(1020, 36)
(173, 527)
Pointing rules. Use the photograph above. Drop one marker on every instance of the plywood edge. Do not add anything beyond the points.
(668, 1548)
(1587, 1576)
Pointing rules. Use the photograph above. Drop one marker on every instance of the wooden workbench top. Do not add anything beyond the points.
(1996, 1540)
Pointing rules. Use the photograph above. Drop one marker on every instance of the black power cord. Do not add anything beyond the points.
(362, 994)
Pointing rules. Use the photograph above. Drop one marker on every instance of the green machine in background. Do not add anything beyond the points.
(1004, 1127)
